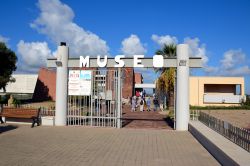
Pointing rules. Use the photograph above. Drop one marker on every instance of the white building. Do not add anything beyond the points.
(23, 87)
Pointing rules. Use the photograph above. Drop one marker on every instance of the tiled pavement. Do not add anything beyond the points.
(99, 146)
(145, 119)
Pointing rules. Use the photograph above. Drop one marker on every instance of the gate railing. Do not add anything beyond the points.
(194, 114)
(239, 136)
(100, 108)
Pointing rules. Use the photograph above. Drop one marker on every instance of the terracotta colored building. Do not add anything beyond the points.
(46, 84)
(138, 78)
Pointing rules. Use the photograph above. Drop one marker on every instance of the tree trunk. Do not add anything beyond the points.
(170, 99)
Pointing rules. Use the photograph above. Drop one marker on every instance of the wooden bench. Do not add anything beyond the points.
(24, 113)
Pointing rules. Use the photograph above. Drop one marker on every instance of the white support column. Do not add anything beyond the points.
(182, 95)
(61, 85)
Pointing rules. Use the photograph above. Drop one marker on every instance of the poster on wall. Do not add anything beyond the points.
(74, 82)
(85, 82)
(79, 82)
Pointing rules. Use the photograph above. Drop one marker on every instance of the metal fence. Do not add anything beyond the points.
(194, 114)
(100, 108)
(44, 111)
(239, 136)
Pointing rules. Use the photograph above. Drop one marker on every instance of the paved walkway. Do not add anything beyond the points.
(145, 119)
(99, 146)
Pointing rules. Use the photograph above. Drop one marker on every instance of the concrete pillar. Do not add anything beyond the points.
(61, 85)
(182, 95)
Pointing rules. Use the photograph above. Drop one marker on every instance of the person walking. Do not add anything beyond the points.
(144, 93)
(137, 93)
(141, 104)
(133, 103)
(156, 104)
(148, 103)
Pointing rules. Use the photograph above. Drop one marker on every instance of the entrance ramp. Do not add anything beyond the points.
(225, 151)
(146, 119)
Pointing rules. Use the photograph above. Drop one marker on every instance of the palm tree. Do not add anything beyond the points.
(165, 82)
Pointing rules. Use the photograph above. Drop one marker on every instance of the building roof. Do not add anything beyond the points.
(25, 83)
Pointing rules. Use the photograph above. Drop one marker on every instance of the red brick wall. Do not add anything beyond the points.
(128, 82)
(138, 78)
(45, 86)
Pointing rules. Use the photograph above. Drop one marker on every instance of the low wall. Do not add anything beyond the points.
(220, 155)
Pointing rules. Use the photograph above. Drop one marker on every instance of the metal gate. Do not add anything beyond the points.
(102, 107)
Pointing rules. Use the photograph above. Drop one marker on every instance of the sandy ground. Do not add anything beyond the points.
(240, 118)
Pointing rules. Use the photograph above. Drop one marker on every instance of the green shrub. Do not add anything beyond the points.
(16, 102)
(247, 103)
(4, 99)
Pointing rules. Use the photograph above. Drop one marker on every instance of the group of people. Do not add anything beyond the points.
(143, 102)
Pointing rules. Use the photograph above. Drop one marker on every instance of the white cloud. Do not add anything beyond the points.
(132, 46)
(231, 58)
(162, 40)
(196, 49)
(4, 39)
(233, 63)
(33, 55)
(240, 71)
(56, 21)
(211, 69)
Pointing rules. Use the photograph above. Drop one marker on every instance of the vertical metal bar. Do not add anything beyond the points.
(68, 111)
(73, 110)
(105, 100)
(84, 113)
(109, 102)
(119, 98)
(68, 117)
(71, 103)
(121, 79)
(80, 110)
(75, 97)
(98, 97)
(174, 99)
(91, 97)
(115, 100)
(98, 92)
(116, 91)
(77, 111)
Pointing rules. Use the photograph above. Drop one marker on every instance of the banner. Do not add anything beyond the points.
(79, 82)
(85, 82)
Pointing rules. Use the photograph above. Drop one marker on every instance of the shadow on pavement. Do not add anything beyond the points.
(169, 121)
(6, 128)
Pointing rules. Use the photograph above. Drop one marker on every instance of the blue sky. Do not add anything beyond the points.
(219, 31)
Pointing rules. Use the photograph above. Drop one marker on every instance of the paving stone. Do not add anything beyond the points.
(145, 119)
(99, 146)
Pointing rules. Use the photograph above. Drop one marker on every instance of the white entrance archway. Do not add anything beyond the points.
(183, 62)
